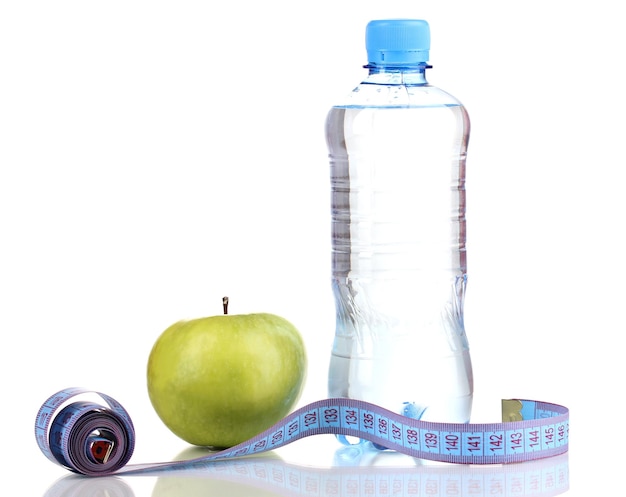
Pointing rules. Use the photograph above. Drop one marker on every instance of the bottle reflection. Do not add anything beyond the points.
(355, 472)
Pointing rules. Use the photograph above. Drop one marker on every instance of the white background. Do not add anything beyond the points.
(155, 156)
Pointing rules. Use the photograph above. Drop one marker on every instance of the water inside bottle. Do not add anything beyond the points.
(399, 267)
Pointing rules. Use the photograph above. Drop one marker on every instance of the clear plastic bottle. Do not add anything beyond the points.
(397, 148)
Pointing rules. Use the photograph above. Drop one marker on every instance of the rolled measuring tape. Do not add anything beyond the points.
(98, 440)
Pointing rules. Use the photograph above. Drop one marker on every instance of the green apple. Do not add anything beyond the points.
(220, 380)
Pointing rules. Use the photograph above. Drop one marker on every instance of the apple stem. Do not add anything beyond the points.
(225, 304)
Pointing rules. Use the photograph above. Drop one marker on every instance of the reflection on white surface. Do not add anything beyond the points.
(79, 486)
(354, 474)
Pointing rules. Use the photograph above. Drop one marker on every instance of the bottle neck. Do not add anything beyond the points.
(414, 74)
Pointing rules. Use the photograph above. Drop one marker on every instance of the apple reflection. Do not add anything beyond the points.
(233, 478)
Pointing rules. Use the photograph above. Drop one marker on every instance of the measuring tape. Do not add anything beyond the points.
(98, 440)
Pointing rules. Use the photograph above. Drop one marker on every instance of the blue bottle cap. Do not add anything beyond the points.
(397, 41)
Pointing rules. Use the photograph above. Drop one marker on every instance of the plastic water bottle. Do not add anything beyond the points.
(397, 149)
